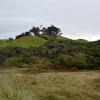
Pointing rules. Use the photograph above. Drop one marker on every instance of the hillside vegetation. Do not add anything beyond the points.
(27, 42)
(48, 50)
(60, 53)
(82, 41)
(24, 42)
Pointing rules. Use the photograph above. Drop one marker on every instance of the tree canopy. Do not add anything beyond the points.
(44, 32)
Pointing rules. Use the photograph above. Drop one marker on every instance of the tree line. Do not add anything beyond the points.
(50, 32)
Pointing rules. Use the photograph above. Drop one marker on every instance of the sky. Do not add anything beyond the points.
(76, 18)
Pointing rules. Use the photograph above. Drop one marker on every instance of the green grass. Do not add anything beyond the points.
(50, 86)
(32, 41)
(82, 41)
(25, 42)
(10, 95)
(68, 39)
(62, 38)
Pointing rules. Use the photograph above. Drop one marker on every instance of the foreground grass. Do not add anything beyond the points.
(50, 86)
(10, 95)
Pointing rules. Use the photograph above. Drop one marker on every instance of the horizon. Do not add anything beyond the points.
(7, 37)
(77, 19)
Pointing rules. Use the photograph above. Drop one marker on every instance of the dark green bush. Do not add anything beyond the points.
(66, 60)
(28, 59)
(2, 60)
(76, 60)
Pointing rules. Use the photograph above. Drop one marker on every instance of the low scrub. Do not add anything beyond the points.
(75, 60)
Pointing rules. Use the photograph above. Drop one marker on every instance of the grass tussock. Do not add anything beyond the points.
(15, 94)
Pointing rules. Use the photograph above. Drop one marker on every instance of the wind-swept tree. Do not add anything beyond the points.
(45, 32)
(35, 30)
(50, 32)
(53, 31)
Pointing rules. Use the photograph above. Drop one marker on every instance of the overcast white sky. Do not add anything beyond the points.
(76, 18)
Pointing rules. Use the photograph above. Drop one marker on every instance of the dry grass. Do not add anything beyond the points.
(50, 86)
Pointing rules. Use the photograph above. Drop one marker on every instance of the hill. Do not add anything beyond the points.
(24, 42)
(58, 53)
(82, 41)
(62, 38)
(34, 41)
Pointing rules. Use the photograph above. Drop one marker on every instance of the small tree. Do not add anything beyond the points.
(10, 39)
(51, 31)
(35, 30)
(47, 33)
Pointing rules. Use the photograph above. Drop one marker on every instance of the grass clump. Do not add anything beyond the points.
(10, 95)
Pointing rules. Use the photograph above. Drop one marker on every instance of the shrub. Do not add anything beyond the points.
(77, 60)
(2, 60)
(13, 62)
(28, 59)
(10, 39)
(80, 60)
(23, 34)
(66, 60)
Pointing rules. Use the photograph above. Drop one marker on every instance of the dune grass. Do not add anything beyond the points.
(50, 86)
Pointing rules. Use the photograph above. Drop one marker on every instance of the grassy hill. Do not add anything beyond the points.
(25, 42)
(33, 41)
(82, 41)
(80, 54)
(62, 38)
